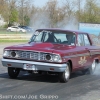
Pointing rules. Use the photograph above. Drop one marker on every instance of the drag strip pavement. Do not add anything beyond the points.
(0, 55)
(42, 87)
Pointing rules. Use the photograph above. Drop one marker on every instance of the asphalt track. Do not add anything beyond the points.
(43, 87)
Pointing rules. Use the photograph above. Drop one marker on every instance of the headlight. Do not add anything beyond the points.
(56, 58)
(48, 57)
(53, 58)
(6, 53)
(14, 54)
(9, 53)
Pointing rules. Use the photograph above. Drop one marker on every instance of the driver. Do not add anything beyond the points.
(69, 38)
(50, 38)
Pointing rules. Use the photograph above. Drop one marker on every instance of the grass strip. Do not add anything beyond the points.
(10, 41)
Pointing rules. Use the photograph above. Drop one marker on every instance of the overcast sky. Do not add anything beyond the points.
(41, 3)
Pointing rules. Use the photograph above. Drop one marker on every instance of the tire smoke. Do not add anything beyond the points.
(97, 70)
(42, 20)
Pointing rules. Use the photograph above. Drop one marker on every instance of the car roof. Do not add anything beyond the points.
(63, 30)
(13, 26)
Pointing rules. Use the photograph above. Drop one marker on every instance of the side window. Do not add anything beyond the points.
(60, 36)
(14, 27)
(86, 40)
(80, 40)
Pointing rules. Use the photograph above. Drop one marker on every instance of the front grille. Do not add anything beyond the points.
(31, 55)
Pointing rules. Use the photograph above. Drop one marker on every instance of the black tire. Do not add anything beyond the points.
(85, 71)
(9, 30)
(64, 76)
(13, 72)
(21, 31)
(91, 69)
(40, 72)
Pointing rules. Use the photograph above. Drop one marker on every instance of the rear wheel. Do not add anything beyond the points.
(13, 72)
(21, 31)
(91, 69)
(64, 76)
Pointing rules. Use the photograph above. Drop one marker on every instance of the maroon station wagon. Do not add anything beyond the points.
(54, 51)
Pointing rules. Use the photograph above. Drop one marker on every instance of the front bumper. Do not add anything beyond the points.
(38, 65)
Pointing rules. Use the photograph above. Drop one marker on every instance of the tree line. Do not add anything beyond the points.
(25, 12)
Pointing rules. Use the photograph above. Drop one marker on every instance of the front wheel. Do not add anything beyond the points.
(64, 76)
(13, 72)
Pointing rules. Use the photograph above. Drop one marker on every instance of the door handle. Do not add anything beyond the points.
(86, 48)
(88, 51)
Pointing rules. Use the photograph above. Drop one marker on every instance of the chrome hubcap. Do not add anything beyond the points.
(93, 65)
(67, 73)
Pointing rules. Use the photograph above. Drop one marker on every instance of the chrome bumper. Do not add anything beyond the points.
(38, 65)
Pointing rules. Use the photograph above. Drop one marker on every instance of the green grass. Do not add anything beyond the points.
(8, 40)
(6, 32)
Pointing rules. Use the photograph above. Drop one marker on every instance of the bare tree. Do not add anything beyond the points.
(91, 12)
(56, 14)
(51, 8)
(69, 6)
(12, 11)
(2, 3)
(8, 10)
(24, 9)
(4, 9)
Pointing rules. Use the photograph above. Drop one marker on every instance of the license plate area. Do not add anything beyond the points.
(29, 67)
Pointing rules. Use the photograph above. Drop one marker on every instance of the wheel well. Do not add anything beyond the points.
(97, 60)
(70, 64)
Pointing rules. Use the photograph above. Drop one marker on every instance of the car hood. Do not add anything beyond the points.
(43, 47)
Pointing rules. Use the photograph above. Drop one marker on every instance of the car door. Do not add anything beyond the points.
(17, 29)
(14, 29)
(88, 47)
(83, 54)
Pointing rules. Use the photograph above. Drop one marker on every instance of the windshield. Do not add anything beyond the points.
(54, 37)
